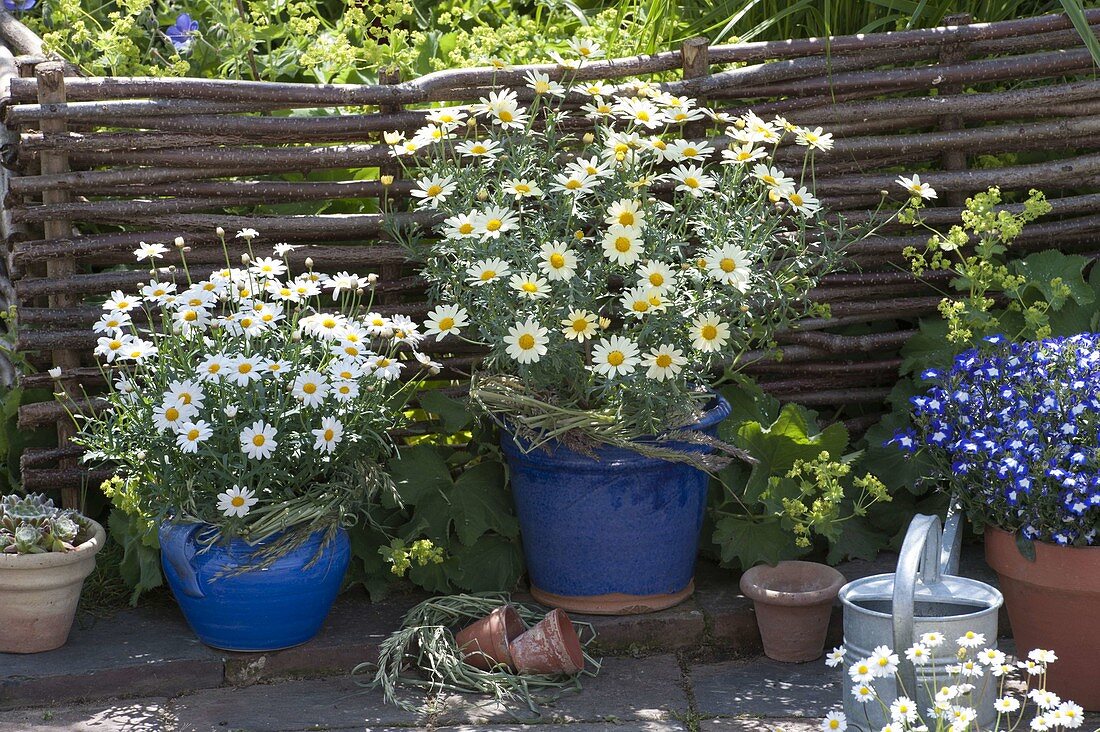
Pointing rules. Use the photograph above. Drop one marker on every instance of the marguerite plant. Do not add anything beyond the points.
(610, 259)
(256, 401)
(951, 698)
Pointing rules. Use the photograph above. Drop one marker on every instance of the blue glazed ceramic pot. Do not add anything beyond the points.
(615, 534)
(279, 606)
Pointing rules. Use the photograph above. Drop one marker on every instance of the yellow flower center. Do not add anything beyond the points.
(329, 323)
(171, 414)
(465, 228)
(690, 152)
(309, 388)
(246, 322)
(237, 501)
(446, 323)
(580, 325)
(258, 440)
(523, 188)
(351, 350)
(493, 224)
(709, 332)
(115, 345)
(691, 182)
(626, 218)
(643, 115)
(656, 279)
(530, 287)
(663, 360)
(769, 179)
(796, 199)
(727, 264)
(190, 316)
(572, 184)
(384, 362)
(834, 724)
(640, 306)
(214, 368)
(185, 398)
(193, 434)
(655, 300)
(557, 261)
(615, 358)
(622, 244)
(434, 190)
(526, 341)
(488, 274)
(505, 115)
(478, 149)
(329, 434)
(622, 148)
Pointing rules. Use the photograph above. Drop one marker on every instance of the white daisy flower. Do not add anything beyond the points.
(1072, 715)
(592, 167)
(282, 249)
(119, 302)
(622, 244)
(530, 287)
(773, 178)
(138, 350)
(932, 639)
(641, 112)
(573, 183)
(213, 367)
(579, 325)
(112, 323)
(903, 710)
(815, 139)
(149, 251)
(487, 270)
(585, 48)
(970, 639)
(243, 370)
(729, 265)
(112, 347)
(509, 116)
(1006, 704)
(236, 501)
(991, 657)
(862, 672)
(523, 188)
(185, 392)
(267, 267)
(169, 415)
(664, 362)
(709, 333)
(626, 212)
(276, 366)
(1042, 656)
(310, 388)
(597, 88)
(884, 661)
(347, 348)
(656, 276)
(446, 320)
(834, 722)
(328, 436)
(447, 116)
(743, 154)
(637, 301)
(688, 150)
(835, 657)
(598, 109)
(495, 221)
(258, 441)
(460, 226)
(484, 150)
(692, 180)
(614, 356)
(192, 434)
(557, 261)
(918, 654)
(157, 291)
(406, 330)
(247, 234)
(1044, 699)
(803, 201)
(542, 84)
(526, 341)
(863, 693)
(914, 187)
(386, 368)
(378, 324)
(345, 369)
(344, 391)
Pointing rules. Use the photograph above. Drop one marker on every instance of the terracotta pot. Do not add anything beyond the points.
(1053, 603)
(551, 647)
(793, 603)
(39, 594)
(485, 644)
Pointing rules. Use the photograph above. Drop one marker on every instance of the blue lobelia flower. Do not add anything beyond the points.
(180, 32)
(20, 4)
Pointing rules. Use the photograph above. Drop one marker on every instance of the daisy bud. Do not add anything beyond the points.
(309, 262)
(186, 250)
(295, 336)
(744, 308)
(358, 290)
(231, 411)
(179, 242)
(370, 387)
(140, 455)
(245, 259)
(55, 372)
(372, 277)
(884, 193)
(152, 273)
(605, 323)
(172, 268)
(483, 195)
(393, 138)
(739, 124)
(219, 231)
(434, 370)
(588, 138)
(387, 180)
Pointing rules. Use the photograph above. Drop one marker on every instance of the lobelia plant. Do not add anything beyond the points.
(254, 402)
(31, 524)
(953, 698)
(1011, 431)
(608, 263)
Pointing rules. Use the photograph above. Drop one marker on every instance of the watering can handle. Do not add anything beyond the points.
(920, 554)
(952, 540)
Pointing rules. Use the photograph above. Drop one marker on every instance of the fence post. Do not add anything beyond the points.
(953, 52)
(51, 90)
(390, 272)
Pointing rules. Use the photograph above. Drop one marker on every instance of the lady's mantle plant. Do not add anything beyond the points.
(609, 258)
(257, 402)
(1012, 430)
(33, 525)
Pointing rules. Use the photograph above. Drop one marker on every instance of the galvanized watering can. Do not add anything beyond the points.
(896, 609)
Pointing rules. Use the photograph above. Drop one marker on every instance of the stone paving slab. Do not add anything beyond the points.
(748, 724)
(626, 690)
(328, 704)
(766, 688)
(624, 726)
(144, 715)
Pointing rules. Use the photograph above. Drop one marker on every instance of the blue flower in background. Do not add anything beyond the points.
(180, 32)
(20, 4)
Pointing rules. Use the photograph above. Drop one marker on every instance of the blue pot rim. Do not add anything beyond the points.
(554, 453)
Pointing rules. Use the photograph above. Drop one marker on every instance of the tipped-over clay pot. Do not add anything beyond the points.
(793, 603)
(485, 643)
(551, 647)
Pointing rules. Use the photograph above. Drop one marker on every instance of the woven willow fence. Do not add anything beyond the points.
(99, 164)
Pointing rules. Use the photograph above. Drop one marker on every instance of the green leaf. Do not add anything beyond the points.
(892, 466)
(786, 440)
(493, 563)
(368, 568)
(1043, 269)
(480, 503)
(453, 413)
(420, 473)
(858, 540)
(928, 348)
(1026, 546)
(140, 564)
(432, 577)
(749, 403)
(750, 542)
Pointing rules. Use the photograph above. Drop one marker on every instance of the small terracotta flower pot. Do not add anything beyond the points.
(485, 644)
(551, 647)
(793, 603)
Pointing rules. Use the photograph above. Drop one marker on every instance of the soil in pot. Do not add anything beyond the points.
(793, 603)
(1054, 603)
(39, 594)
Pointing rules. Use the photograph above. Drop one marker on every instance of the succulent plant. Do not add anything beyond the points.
(31, 524)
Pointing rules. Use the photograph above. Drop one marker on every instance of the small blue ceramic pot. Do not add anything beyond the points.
(614, 534)
(279, 606)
